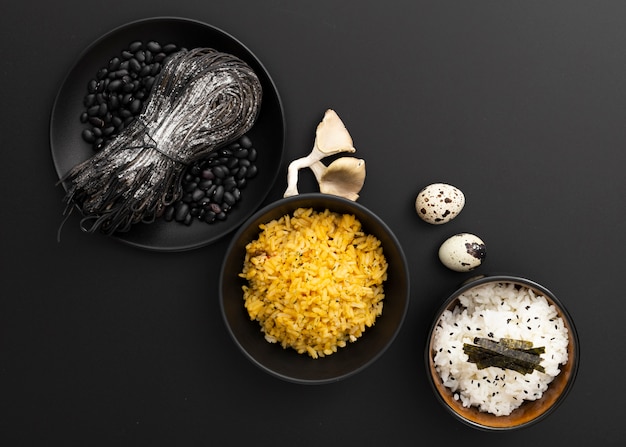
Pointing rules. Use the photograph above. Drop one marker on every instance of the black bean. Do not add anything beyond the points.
(197, 195)
(84, 117)
(169, 48)
(194, 170)
(93, 110)
(140, 56)
(229, 184)
(101, 74)
(144, 71)
(182, 209)
(134, 65)
(218, 195)
(96, 121)
(155, 68)
(215, 208)
(136, 45)
(252, 171)
(209, 216)
(121, 74)
(88, 136)
(252, 154)
(135, 106)
(232, 162)
(115, 85)
(229, 198)
(89, 100)
(245, 142)
(219, 172)
(211, 190)
(114, 102)
(241, 153)
(245, 162)
(242, 172)
(102, 109)
(129, 87)
(153, 46)
(92, 86)
(205, 184)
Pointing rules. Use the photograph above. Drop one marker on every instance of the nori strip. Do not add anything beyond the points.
(517, 355)
(485, 358)
(522, 345)
(502, 350)
(515, 344)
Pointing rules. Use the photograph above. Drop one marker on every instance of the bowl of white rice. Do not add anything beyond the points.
(314, 288)
(502, 352)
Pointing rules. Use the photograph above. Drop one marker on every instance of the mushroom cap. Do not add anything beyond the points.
(331, 135)
(343, 177)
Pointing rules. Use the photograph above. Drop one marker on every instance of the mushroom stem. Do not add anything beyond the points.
(295, 166)
(345, 177)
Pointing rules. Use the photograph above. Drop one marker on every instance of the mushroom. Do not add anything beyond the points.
(344, 176)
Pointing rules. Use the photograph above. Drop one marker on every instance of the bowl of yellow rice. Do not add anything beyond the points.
(314, 288)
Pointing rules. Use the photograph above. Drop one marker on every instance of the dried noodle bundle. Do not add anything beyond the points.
(201, 100)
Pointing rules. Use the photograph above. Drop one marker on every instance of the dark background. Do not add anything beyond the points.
(520, 104)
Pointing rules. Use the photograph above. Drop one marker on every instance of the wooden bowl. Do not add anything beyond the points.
(530, 411)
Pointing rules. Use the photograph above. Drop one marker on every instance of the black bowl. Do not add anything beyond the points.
(529, 412)
(68, 147)
(287, 364)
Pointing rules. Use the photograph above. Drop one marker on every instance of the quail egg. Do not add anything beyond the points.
(439, 203)
(462, 252)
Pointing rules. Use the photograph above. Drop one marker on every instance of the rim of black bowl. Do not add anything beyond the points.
(475, 281)
(236, 250)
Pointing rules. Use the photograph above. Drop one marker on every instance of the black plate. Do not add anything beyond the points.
(267, 135)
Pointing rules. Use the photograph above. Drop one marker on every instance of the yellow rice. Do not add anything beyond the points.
(315, 281)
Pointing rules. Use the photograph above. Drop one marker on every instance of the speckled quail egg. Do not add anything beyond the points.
(439, 203)
(462, 252)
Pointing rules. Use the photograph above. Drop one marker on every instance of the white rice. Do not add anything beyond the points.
(495, 311)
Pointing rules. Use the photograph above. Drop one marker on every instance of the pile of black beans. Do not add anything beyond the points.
(115, 96)
(212, 186)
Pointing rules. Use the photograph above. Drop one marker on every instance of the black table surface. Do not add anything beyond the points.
(522, 105)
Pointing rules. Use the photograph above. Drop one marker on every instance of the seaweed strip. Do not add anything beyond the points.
(515, 344)
(517, 355)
